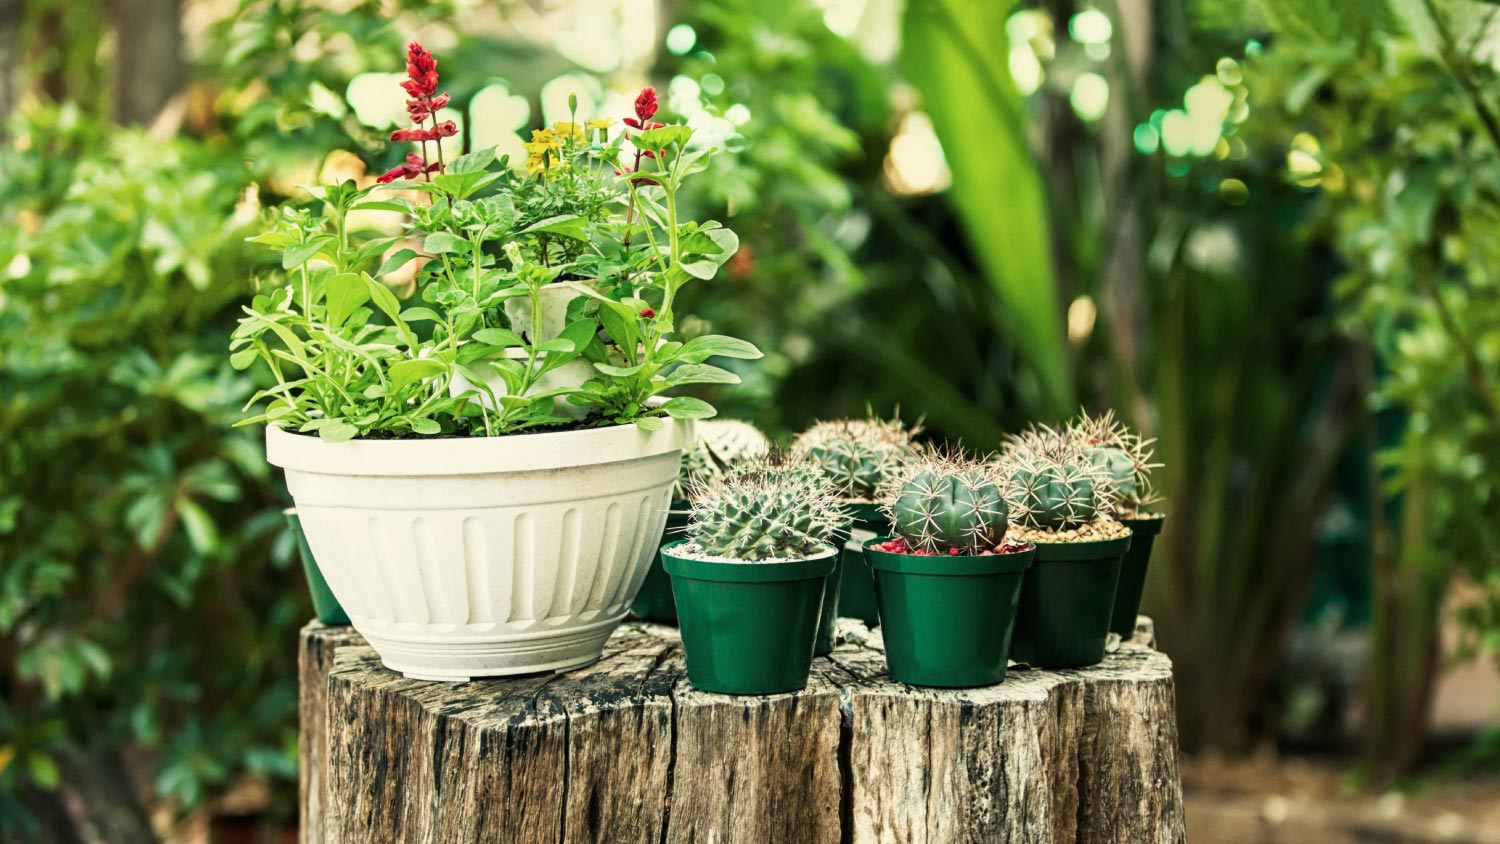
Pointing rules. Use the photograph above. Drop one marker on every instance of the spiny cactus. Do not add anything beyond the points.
(1120, 454)
(1054, 485)
(720, 444)
(857, 455)
(770, 508)
(946, 503)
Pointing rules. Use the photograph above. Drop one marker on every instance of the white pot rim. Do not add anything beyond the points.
(444, 456)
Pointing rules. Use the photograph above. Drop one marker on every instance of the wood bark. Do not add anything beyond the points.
(626, 750)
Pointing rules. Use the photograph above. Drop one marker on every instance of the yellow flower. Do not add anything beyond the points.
(544, 139)
(566, 128)
(600, 123)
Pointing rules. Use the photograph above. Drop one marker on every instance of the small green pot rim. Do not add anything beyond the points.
(1149, 526)
(1079, 552)
(721, 572)
(947, 565)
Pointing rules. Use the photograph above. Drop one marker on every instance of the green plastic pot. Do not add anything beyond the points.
(325, 606)
(1133, 574)
(856, 583)
(828, 616)
(1066, 603)
(947, 620)
(748, 628)
(654, 601)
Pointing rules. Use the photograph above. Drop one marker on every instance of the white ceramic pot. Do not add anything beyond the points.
(554, 298)
(471, 557)
(570, 375)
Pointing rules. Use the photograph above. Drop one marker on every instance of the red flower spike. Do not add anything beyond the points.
(421, 72)
(412, 168)
(648, 313)
(645, 104)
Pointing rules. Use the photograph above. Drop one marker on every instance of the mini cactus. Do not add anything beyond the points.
(720, 444)
(947, 504)
(1122, 456)
(770, 508)
(857, 455)
(1054, 484)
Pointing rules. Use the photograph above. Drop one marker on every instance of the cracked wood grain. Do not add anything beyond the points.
(626, 752)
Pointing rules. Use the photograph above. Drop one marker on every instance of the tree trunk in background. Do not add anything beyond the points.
(149, 65)
(10, 58)
(1407, 612)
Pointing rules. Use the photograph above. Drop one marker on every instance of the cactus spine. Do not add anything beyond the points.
(1121, 455)
(948, 504)
(720, 444)
(1054, 484)
(771, 508)
(857, 455)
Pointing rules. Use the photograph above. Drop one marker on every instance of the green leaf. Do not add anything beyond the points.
(426, 426)
(702, 348)
(567, 225)
(557, 344)
(397, 260)
(337, 431)
(411, 314)
(402, 205)
(699, 373)
(650, 423)
(242, 359)
(502, 337)
(956, 56)
(296, 256)
(346, 291)
(619, 371)
(687, 407)
(43, 770)
(203, 535)
(474, 162)
(439, 243)
(409, 372)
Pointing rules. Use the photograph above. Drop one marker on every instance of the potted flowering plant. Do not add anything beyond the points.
(949, 582)
(857, 456)
(719, 445)
(484, 489)
(749, 578)
(1124, 459)
(1062, 502)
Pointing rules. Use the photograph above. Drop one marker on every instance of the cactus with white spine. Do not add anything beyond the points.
(1121, 455)
(946, 503)
(719, 444)
(1054, 484)
(770, 508)
(858, 455)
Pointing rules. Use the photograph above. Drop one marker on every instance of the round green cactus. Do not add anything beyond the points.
(1055, 484)
(857, 455)
(1122, 457)
(1118, 467)
(947, 506)
(1056, 494)
(768, 509)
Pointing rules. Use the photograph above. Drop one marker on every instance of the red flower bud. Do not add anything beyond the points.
(414, 166)
(446, 129)
(645, 104)
(648, 313)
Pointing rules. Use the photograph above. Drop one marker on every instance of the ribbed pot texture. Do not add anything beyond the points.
(470, 557)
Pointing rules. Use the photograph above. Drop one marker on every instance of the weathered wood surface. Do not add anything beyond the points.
(627, 751)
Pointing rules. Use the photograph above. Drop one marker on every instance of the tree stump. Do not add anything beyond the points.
(626, 752)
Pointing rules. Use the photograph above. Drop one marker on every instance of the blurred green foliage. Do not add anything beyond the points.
(1316, 285)
(144, 597)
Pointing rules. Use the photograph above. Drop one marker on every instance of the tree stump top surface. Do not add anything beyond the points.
(626, 750)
